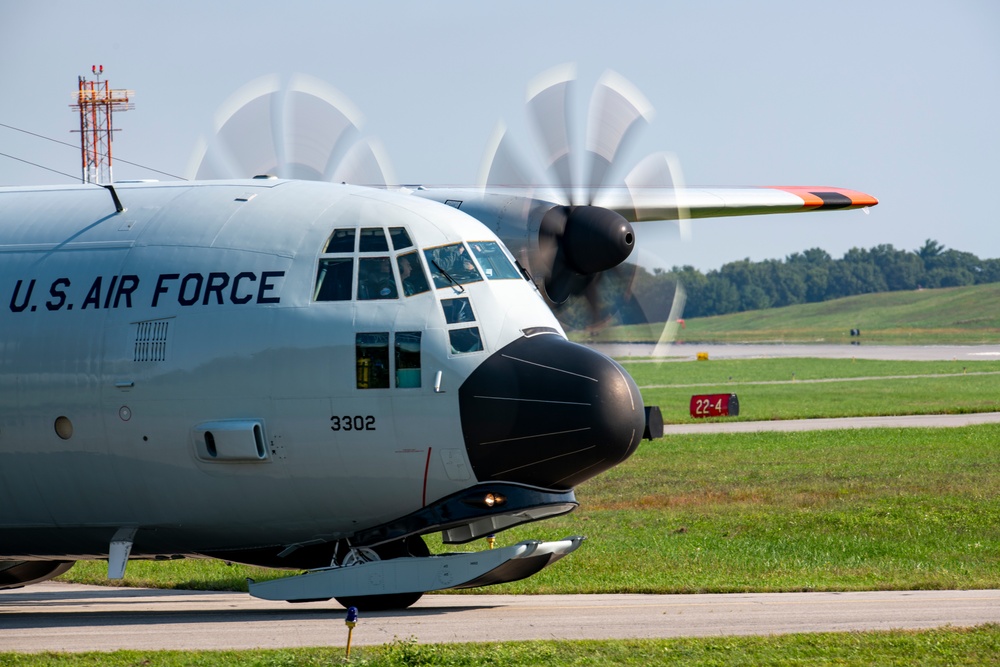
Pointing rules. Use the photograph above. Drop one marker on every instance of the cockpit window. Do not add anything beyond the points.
(333, 280)
(373, 240)
(372, 360)
(408, 359)
(465, 340)
(494, 262)
(451, 265)
(400, 239)
(341, 241)
(412, 274)
(457, 310)
(375, 280)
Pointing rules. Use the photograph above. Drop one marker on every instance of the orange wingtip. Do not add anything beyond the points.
(822, 197)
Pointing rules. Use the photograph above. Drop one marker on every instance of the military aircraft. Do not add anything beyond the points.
(311, 375)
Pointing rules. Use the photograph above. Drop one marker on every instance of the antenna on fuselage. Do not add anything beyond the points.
(114, 195)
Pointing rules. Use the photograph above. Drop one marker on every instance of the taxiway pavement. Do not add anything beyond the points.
(67, 617)
(689, 351)
(833, 423)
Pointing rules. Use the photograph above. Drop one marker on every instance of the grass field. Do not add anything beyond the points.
(947, 646)
(957, 315)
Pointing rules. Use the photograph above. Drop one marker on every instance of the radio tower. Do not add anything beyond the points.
(96, 101)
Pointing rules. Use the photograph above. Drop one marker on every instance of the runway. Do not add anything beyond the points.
(689, 351)
(834, 423)
(67, 617)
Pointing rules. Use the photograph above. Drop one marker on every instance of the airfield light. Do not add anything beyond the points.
(350, 622)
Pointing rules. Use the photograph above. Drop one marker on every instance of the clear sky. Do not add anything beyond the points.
(899, 99)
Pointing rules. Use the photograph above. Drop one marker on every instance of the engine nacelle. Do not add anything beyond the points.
(18, 573)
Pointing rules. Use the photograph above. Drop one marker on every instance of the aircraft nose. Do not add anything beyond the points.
(550, 413)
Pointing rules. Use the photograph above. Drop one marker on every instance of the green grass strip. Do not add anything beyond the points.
(948, 646)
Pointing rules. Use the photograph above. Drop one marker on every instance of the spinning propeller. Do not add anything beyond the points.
(300, 128)
(582, 244)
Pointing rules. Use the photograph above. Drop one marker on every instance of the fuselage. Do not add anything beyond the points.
(229, 366)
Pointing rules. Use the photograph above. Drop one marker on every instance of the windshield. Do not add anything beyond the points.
(451, 264)
(495, 264)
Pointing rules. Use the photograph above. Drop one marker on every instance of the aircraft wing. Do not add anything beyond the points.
(642, 204)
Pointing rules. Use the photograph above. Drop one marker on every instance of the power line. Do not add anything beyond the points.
(41, 166)
(66, 143)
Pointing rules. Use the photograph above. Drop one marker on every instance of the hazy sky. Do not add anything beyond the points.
(896, 99)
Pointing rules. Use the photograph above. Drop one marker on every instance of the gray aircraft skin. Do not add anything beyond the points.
(214, 371)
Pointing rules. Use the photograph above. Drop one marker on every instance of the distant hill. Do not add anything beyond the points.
(954, 315)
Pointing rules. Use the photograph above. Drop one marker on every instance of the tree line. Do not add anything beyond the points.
(806, 277)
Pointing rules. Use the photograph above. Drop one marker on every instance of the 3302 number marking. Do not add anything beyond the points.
(352, 423)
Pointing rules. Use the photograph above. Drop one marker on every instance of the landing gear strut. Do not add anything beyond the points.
(407, 547)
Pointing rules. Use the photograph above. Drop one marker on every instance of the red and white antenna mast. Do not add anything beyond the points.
(96, 101)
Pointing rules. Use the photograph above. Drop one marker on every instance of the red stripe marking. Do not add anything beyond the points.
(812, 201)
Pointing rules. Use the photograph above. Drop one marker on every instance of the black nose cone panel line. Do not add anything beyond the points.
(550, 413)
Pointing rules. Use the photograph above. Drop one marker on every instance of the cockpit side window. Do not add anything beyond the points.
(451, 265)
(493, 260)
(333, 281)
(407, 359)
(372, 360)
(412, 274)
(373, 240)
(341, 241)
(375, 280)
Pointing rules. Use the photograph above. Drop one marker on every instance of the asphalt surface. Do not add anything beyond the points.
(828, 424)
(66, 617)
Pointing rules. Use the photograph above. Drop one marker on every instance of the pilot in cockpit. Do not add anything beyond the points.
(462, 268)
(375, 279)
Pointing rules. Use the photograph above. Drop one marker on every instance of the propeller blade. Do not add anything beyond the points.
(316, 131)
(674, 321)
(616, 109)
(658, 239)
(364, 163)
(248, 112)
(655, 173)
(549, 109)
(503, 166)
